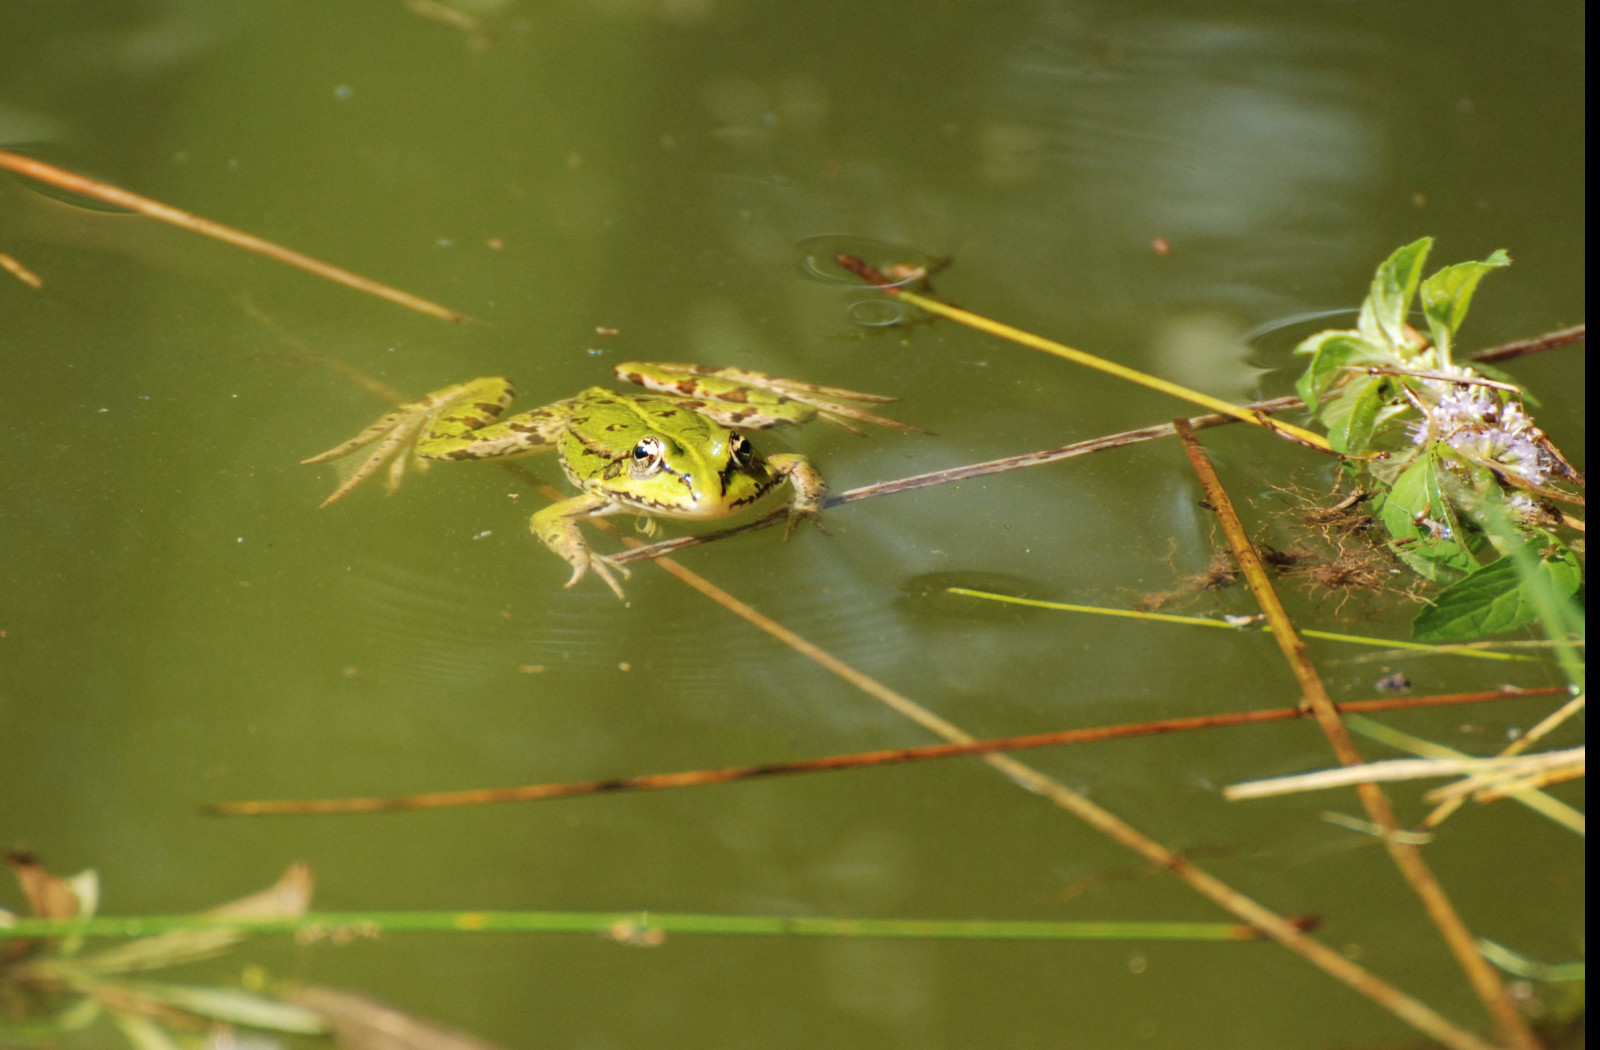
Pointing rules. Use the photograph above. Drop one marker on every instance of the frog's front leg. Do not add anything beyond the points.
(557, 528)
(810, 490)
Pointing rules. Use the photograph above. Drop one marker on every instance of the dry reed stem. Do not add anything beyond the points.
(1538, 344)
(1522, 743)
(1482, 772)
(1485, 981)
(830, 763)
(1546, 806)
(153, 209)
(1500, 777)
(10, 264)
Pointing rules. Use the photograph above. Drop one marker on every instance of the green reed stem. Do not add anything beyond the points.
(629, 925)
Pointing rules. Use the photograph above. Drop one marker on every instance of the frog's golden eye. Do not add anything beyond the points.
(647, 456)
(739, 449)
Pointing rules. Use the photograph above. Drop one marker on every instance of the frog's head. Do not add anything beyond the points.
(709, 473)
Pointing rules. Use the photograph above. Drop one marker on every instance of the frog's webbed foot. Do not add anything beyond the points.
(393, 434)
(602, 564)
(810, 490)
(396, 433)
(557, 528)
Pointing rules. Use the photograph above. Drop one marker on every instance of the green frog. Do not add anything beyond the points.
(678, 452)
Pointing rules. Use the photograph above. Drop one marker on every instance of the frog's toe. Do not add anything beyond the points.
(602, 566)
(798, 514)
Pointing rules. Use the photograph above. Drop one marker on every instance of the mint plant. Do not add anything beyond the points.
(1460, 473)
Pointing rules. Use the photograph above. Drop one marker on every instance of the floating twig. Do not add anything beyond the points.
(832, 763)
(1538, 344)
(153, 209)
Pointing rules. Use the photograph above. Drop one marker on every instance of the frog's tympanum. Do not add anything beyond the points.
(677, 453)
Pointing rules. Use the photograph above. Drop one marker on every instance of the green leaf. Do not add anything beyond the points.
(1416, 495)
(1331, 352)
(1497, 598)
(1351, 416)
(1383, 315)
(1447, 294)
(1489, 601)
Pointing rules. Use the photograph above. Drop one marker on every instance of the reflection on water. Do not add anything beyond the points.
(1239, 140)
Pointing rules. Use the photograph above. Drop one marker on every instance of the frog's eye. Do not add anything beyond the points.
(647, 456)
(739, 449)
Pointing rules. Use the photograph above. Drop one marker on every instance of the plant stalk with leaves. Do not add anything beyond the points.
(1446, 448)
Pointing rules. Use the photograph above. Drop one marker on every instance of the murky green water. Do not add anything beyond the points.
(182, 624)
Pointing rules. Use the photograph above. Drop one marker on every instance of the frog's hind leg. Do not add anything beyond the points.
(557, 528)
(747, 400)
(395, 430)
(464, 428)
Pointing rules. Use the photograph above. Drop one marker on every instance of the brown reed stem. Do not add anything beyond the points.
(1513, 1026)
(832, 763)
(68, 180)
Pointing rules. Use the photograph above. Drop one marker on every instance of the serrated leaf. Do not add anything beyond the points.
(1383, 315)
(1488, 601)
(1447, 294)
(1497, 598)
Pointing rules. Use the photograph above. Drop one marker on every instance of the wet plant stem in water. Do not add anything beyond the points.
(831, 763)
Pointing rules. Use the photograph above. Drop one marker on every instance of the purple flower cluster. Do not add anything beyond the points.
(1482, 427)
